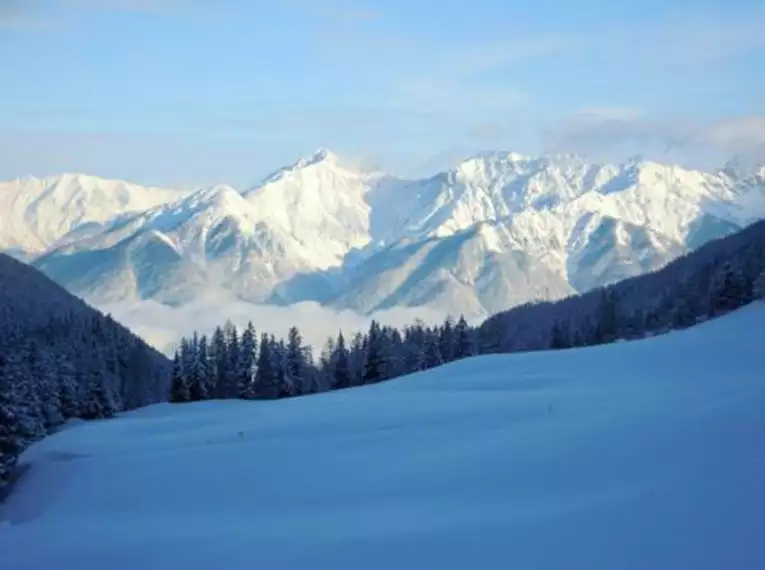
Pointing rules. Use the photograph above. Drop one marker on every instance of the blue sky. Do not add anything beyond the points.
(190, 92)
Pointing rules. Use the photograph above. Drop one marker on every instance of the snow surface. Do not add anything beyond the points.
(640, 455)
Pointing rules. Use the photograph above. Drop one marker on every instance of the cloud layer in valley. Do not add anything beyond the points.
(162, 326)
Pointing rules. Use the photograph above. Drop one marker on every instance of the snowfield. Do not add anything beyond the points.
(644, 455)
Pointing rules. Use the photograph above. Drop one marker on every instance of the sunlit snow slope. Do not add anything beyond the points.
(643, 455)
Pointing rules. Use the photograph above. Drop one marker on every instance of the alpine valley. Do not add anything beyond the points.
(497, 230)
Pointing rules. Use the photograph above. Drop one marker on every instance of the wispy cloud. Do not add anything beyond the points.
(603, 134)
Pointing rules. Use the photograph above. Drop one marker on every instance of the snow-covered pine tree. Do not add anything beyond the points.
(18, 428)
(357, 358)
(69, 391)
(414, 348)
(99, 399)
(191, 367)
(342, 364)
(219, 360)
(607, 327)
(279, 358)
(179, 390)
(231, 380)
(266, 376)
(396, 353)
(188, 367)
(46, 385)
(464, 343)
(447, 340)
(433, 356)
(374, 356)
(295, 367)
(326, 367)
(199, 380)
(23, 391)
(248, 354)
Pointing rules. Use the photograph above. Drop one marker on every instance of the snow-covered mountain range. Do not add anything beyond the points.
(497, 230)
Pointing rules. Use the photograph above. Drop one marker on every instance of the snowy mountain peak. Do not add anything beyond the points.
(320, 155)
(215, 193)
(498, 228)
(321, 159)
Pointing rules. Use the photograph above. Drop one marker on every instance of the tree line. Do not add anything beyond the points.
(248, 365)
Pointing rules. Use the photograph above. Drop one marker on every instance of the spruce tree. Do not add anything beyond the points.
(179, 390)
(607, 327)
(373, 367)
(200, 378)
(219, 360)
(342, 365)
(99, 400)
(279, 359)
(295, 364)
(357, 358)
(433, 356)
(246, 366)
(231, 375)
(17, 428)
(266, 377)
(447, 341)
(465, 345)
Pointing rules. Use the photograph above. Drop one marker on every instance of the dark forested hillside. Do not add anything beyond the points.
(717, 278)
(60, 358)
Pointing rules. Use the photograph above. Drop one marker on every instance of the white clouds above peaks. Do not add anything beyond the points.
(605, 132)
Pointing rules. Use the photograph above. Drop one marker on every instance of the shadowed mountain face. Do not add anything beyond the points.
(496, 231)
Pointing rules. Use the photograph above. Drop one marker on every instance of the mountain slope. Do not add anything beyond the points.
(40, 213)
(498, 230)
(322, 204)
(592, 458)
(478, 270)
(172, 253)
(60, 358)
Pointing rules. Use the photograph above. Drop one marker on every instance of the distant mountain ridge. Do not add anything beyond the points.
(497, 230)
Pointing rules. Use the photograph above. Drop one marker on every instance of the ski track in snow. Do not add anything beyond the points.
(638, 455)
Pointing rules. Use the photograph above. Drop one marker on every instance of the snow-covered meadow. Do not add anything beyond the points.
(644, 455)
